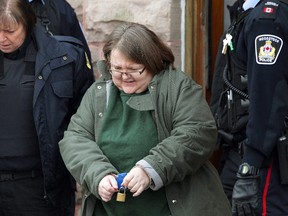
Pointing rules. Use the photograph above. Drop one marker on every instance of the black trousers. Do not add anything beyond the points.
(273, 194)
(25, 197)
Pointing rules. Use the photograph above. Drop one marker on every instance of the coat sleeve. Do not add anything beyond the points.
(83, 76)
(79, 149)
(190, 132)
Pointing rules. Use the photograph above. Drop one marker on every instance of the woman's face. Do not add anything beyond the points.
(11, 37)
(128, 75)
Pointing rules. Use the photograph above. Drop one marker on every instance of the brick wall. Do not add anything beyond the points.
(99, 17)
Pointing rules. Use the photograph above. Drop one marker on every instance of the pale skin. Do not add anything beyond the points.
(132, 83)
(12, 36)
(136, 179)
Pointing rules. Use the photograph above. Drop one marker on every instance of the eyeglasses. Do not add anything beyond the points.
(119, 74)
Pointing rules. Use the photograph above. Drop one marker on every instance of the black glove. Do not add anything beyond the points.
(245, 197)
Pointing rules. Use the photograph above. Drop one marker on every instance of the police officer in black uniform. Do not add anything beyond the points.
(262, 185)
(42, 81)
(229, 100)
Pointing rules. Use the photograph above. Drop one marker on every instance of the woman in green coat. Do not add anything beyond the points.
(149, 122)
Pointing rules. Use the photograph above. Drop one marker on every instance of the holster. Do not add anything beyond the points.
(282, 148)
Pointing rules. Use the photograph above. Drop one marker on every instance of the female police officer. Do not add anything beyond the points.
(41, 84)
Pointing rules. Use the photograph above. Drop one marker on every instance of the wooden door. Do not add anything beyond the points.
(204, 26)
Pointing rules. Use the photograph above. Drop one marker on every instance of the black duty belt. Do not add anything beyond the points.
(12, 176)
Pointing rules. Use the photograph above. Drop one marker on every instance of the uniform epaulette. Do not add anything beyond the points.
(77, 43)
(269, 10)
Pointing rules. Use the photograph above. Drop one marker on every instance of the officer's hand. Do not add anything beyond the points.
(107, 187)
(245, 197)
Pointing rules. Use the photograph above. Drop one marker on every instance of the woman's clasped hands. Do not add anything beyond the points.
(136, 181)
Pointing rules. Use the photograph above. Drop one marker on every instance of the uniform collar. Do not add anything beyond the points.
(43, 2)
(250, 4)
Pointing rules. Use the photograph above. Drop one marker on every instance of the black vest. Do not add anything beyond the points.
(19, 148)
(232, 111)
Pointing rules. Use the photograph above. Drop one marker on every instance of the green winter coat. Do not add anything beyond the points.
(187, 134)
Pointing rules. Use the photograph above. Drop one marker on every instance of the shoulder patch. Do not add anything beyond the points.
(269, 10)
(267, 49)
(88, 64)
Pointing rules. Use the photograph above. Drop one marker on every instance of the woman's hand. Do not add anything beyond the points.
(107, 187)
(137, 180)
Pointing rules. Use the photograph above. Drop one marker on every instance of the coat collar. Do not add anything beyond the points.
(42, 1)
(250, 4)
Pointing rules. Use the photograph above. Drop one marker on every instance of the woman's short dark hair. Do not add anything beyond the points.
(141, 45)
(15, 12)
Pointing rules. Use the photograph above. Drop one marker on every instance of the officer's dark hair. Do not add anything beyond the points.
(15, 12)
(141, 45)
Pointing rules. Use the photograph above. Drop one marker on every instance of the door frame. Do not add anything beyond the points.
(204, 24)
